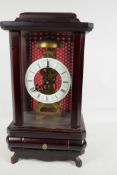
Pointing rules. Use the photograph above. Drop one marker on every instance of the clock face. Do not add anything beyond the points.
(49, 69)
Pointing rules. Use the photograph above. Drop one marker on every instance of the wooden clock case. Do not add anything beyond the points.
(28, 141)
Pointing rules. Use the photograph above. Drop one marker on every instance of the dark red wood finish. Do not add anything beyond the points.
(47, 22)
(29, 141)
(79, 39)
(15, 74)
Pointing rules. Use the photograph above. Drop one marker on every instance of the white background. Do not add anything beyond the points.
(99, 90)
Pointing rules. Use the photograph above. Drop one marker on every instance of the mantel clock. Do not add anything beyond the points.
(47, 53)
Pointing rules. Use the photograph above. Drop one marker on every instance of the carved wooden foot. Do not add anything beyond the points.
(14, 158)
(78, 162)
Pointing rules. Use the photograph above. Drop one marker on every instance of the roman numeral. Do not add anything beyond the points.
(29, 80)
(38, 65)
(56, 96)
(38, 95)
(32, 72)
(32, 89)
(46, 98)
(63, 73)
(62, 90)
(65, 81)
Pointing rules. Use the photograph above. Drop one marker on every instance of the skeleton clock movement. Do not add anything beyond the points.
(47, 53)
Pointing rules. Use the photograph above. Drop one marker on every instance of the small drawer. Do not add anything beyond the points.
(45, 144)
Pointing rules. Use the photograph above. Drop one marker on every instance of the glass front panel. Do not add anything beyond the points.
(46, 77)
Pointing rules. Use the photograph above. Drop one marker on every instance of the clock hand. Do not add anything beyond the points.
(47, 63)
(47, 72)
(36, 87)
(33, 89)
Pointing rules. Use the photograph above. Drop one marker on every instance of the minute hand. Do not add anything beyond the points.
(47, 64)
(47, 69)
(47, 72)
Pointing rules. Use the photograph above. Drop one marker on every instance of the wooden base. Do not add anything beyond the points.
(46, 144)
(78, 162)
(14, 158)
(47, 156)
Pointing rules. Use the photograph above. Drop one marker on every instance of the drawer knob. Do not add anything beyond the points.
(44, 146)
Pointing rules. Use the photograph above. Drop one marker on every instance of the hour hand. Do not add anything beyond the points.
(35, 88)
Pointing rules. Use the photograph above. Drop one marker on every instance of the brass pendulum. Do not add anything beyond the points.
(49, 110)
